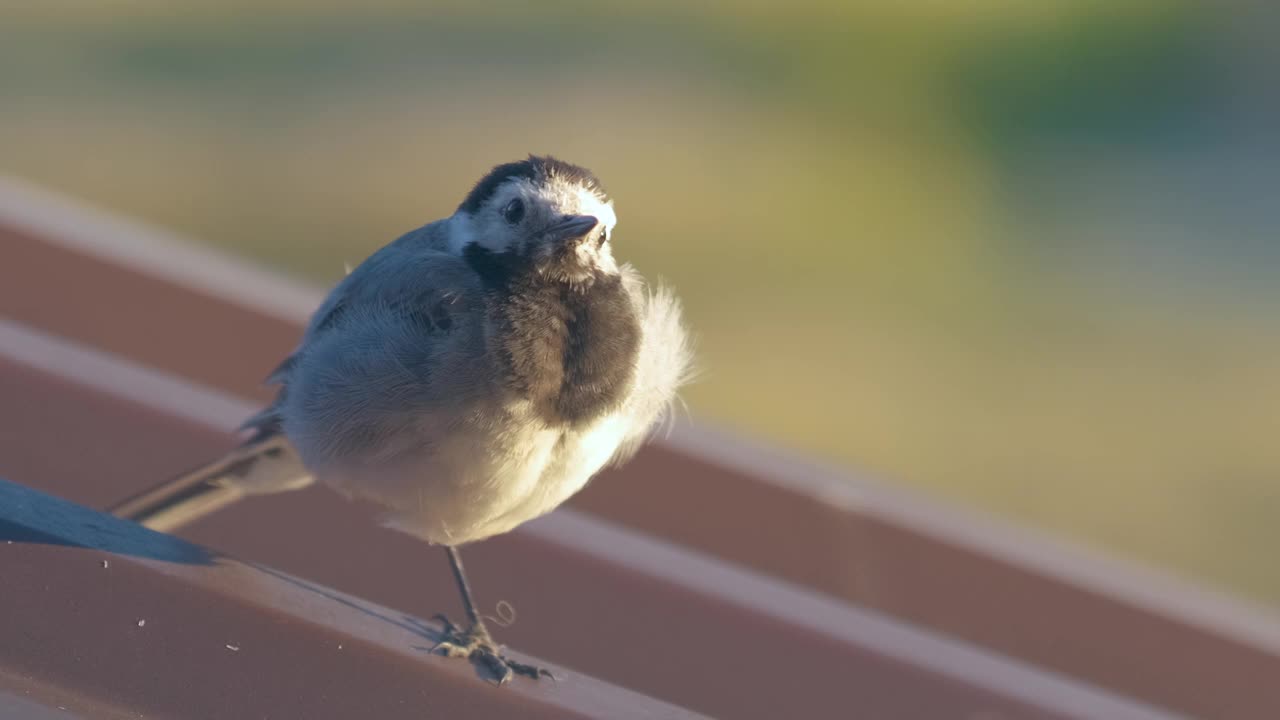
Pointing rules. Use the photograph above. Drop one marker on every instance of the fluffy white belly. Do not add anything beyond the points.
(468, 487)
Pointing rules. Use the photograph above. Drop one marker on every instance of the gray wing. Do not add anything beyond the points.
(413, 278)
(409, 279)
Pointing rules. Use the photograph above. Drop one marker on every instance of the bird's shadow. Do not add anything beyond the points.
(29, 516)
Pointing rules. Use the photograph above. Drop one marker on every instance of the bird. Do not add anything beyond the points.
(469, 376)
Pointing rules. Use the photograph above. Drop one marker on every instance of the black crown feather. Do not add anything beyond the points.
(537, 169)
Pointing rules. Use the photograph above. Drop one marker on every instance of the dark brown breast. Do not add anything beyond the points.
(570, 350)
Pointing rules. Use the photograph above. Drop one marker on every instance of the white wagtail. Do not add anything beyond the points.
(470, 376)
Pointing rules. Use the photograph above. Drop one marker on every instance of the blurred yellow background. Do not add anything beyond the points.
(1020, 255)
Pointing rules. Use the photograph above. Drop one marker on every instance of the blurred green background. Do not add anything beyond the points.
(1020, 255)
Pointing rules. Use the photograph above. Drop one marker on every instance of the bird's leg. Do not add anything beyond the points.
(474, 642)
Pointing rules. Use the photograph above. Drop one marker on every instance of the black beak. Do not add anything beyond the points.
(572, 227)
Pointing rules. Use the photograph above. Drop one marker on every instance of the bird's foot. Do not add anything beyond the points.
(475, 644)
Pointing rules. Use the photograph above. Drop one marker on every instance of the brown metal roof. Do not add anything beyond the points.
(664, 632)
(118, 621)
(648, 623)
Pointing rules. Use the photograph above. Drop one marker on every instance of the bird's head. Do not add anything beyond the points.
(540, 215)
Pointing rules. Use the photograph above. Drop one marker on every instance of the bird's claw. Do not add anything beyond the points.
(477, 645)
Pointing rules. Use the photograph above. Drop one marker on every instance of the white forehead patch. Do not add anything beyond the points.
(568, 198)
(573, 199)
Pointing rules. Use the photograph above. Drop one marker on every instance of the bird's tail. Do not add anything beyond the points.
(265, 465)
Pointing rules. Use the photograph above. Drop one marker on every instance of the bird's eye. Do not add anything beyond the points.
(514, 211)
(604, 238)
